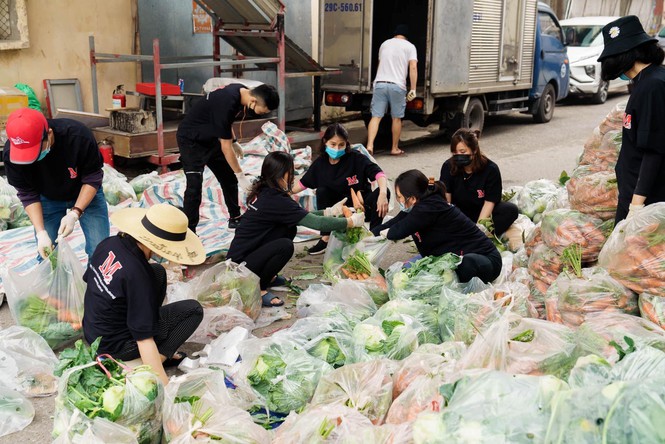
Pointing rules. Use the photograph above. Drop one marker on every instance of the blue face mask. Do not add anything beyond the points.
(404, 208)
(43, 153)
(624, 77)
(334, 154)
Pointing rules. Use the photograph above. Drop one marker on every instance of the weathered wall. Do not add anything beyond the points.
(58, 49)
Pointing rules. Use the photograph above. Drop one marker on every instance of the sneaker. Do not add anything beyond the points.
(319, 248)
(234, 222)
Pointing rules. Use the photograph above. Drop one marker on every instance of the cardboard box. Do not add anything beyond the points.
(11, 99)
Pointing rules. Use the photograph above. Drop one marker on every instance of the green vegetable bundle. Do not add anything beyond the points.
(395, 337)
(424, 279)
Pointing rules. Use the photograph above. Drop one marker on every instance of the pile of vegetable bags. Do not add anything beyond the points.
(538, 196)
(12, 214)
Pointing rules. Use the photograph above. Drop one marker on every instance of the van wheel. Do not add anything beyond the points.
(474, 117)
(601, 96)
(545, 109)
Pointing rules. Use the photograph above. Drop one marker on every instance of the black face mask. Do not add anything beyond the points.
(462, 159)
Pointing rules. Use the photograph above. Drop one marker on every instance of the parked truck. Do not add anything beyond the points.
(475, 57)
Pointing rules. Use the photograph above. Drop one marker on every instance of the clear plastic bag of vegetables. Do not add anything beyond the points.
(534, 197)
(364, 386)
(635, 251)
(27, 362)
(340, 245)
(281, 373)
(144, 181)
(594, 193)
(346, 296)
(423, 279)
(614, 119)
(393, 338)
(545, 264)
(652, 308)
(323, 424)
(16, 412)
(601, 152)
(593, 290)
(48, 299)
(198, 407)
(420, 396)
(563, 228)
(358, 260)
(219, 320)
(424, 313)
(228, 284)
(117, 190)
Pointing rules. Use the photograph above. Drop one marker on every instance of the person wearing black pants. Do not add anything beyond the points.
(473, 184)
(336, 172)
(205, 137)
(438, 227)
(264, 240)
(125, 293)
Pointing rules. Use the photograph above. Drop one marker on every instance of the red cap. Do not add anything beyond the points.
(26, 129)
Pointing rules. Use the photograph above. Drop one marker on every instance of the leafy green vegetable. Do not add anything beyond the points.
(328, 350)
(36, 314)
(525, 336)
(564, 177)
(358, 263)
(112, 401)
(620, 350)
(571, 257)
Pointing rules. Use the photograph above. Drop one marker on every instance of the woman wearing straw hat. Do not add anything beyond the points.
(123, 300)
(630, 53)
(264, 240)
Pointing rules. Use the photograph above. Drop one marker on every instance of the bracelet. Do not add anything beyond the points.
(78, 210)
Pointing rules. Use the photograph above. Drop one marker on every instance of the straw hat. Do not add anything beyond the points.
(163, 229)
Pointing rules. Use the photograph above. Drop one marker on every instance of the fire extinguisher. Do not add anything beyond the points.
(119, 98)
(106, 148)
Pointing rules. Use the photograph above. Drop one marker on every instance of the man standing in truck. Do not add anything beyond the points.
(397, 58)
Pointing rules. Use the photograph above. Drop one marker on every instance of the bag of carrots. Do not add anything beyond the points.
(592, 291)
(421, 395)
(532, 239)
(602, 156)
(635, 251)
(545, 264)
(594, 193)
(652, 308)
(614, 119)
(562, 228)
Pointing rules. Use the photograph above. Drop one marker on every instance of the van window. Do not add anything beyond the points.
(583, 35)
(549, 26)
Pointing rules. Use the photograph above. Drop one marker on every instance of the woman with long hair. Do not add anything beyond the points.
(473, 183)
(264, 240)
(437, 227)
(336, 172)
(630, 53)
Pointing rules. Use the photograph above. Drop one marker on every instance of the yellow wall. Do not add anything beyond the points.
(58, 49)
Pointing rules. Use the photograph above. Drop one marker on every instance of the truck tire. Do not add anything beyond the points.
(601, 95)
(545, 109)
(474, 117)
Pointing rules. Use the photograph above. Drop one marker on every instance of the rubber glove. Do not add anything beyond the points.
(243, 181)
(335, 210)
(357, 220)
(633, 210)
(237, 149)
(411, 95)
(44, 244)
(67, 224)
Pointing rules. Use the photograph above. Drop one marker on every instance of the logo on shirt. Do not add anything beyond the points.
(417, 236)
(72, 173)
(353, 180)
(481, 194)
(109, 267)
(18, 141)
(627, 121)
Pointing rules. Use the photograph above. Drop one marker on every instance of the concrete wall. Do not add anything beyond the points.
(58, 49)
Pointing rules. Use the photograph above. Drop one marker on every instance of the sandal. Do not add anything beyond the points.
(268, 300)
(173, 361)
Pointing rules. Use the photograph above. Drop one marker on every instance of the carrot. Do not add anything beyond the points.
(68, 316)
(357, 200)
(345, 272)
(648, 311)
(55, 302)
(346, 211)
(76, 325)
(364, 276)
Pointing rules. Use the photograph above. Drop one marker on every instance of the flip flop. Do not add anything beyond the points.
(267, 300)
(397, 154)
(174, 362)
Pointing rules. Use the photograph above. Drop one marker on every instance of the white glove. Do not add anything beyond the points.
(67, 224)
(411, 95)
(633, 210)
(357, 220)
(335, 210)
(237, 149)
(384, 233)
(243, 181)
(484, 229)
(44, 243)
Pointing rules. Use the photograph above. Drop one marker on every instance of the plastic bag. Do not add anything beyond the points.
(394, 338)
(16, 412)
(652, 308)
(425, 314)
(421, 395)
(563, 228)
(144, 181)
(323, 424)
(33, 101)
(198, 407)
(342, 258)
(595, 291)
(27, 362)
(117, 190)
(534, 197)
(228, 284)
(602, 152)
(345, 296)
(365, 386)
(219, 320)
(545, 264)
(12, 213)
(614, 119)
(532, 239)
(49, 298)
(462, 316)
(596, 194)
(424, 278)
(635, 251)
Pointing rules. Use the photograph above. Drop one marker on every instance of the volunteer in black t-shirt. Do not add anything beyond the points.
(473, 183)
(437, 227)
(56, 168)
(205, 138)
(337, 171)
(124, 296)
(630, 53)
(264, 240)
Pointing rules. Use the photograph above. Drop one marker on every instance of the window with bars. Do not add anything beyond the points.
(13, 24)
(5, 20)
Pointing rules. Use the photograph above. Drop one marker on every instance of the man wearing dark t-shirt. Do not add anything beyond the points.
(205, 138)
(56, 168)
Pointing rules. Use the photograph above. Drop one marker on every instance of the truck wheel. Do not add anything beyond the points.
(601, 96)
(545, 109)
(474, 117)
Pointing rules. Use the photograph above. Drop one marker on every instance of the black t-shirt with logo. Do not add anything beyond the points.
(73, 156)
(470, 191)
(354, 170)
(272, 215)
(212, 117)
(121, 301)
(643, 139)
(438, 227)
